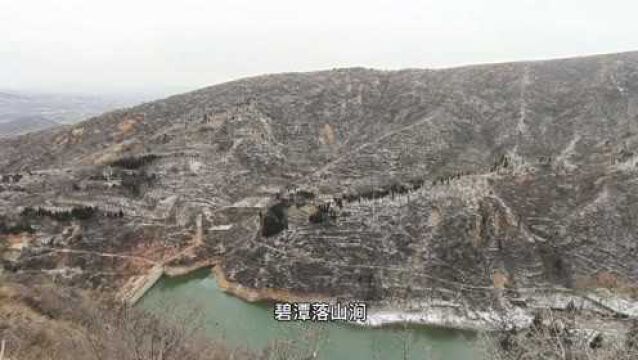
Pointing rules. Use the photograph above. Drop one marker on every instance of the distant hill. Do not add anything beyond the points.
(25, 124)
(30, 111)
(5, 96)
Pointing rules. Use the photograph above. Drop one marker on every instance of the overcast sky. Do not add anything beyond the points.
(159, 46)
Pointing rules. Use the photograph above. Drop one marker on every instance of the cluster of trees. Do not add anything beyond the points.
(393, 189)
(383, 191)
(622, 156)
(135, 182)
(11, 178)
(448, 178)
(98, 177)
(111, 214)
(275, 220)
(304, 194)
(503, 162)
(76, 213)
(17, 228)
(298, 197)
(545, 159)
(134, 162)
(324, 213)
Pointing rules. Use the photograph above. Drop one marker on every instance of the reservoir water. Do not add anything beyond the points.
(238, 323)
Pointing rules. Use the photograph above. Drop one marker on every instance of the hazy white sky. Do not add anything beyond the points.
(170, 46)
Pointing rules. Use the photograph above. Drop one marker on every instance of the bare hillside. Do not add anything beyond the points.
(481, 193)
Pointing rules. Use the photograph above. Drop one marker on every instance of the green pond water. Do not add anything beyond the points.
(238, 323)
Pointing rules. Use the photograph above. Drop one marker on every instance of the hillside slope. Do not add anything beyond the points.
(486, 191)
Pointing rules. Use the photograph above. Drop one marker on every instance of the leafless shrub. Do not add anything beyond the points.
(48, 323)
(552, 342)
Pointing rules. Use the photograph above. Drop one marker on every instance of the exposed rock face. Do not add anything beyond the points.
(484, 187)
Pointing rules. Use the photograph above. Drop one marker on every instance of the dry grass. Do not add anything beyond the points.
(48, 322)
(45, 321)
(556, 343)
